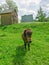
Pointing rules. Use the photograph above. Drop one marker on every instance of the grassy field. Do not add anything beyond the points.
(12, 51)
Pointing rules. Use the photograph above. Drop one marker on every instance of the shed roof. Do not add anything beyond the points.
(5, 12)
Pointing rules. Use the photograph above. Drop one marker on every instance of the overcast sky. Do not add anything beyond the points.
(26, 7)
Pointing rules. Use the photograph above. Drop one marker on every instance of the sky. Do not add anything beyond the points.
(26, 7)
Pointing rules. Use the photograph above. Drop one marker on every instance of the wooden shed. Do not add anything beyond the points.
(9, 17)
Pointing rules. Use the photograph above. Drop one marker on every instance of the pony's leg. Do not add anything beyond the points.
(28, 46)
(25, 45)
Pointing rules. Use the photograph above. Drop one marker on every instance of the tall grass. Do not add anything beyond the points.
(12, 50)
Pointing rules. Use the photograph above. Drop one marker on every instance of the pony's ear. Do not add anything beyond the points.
(25, 33)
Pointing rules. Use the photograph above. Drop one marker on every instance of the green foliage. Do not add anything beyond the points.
(12, 51)
(41, 16)
(47, 19)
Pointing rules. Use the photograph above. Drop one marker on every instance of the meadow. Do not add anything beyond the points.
(12, 50)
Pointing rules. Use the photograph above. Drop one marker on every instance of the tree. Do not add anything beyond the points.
(4, 7)
(0, 8)
(41, 15)
(12, 5)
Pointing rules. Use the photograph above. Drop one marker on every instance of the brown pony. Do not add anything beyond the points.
(26, 36)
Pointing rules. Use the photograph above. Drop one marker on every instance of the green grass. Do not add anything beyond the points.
(12, 51)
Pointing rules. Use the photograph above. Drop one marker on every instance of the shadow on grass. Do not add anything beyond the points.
(19, 57)
(3, 35)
